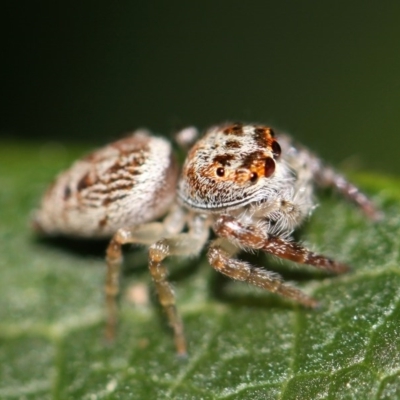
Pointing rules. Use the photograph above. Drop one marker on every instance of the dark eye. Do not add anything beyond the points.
(269, 167)
(253, 177)
(276, 149)
(220, 171)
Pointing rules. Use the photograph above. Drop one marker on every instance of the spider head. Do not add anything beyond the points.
(230, 167)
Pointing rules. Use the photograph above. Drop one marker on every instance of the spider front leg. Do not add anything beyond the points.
(220, 256)
(251, 236)
(326, 176)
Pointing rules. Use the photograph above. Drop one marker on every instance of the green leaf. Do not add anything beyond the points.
(243, 343)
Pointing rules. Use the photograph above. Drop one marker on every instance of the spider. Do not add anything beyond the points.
(248, 184)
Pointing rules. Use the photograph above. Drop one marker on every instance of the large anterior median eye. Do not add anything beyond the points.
(269, 167)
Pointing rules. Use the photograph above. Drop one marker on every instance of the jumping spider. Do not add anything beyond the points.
(252, 187)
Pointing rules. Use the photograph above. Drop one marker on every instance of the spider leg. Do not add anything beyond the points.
(326, 176)
(186, 244)
(255, 238)
(220, 257)
(143, 234)
(186, 137)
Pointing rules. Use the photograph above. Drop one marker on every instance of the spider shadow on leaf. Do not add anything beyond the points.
(135, 256)
(78, 246)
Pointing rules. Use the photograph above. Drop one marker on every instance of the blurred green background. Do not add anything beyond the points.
(328, 72)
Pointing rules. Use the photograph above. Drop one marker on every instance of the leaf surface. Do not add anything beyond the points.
(244, 343)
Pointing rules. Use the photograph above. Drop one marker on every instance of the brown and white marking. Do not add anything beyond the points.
(128, 182)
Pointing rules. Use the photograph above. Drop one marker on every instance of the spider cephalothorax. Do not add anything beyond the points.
(251, 186)
(232, 166)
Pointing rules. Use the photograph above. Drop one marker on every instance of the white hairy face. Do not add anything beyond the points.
(233, 166)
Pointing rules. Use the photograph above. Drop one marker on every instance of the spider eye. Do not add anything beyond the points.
(276, 149)
(220, 171)
(253, 177)
(269, 167)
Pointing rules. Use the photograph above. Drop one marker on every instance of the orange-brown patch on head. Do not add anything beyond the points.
(257, 170)
(189, 174)
(218, 169)
(250, 159)
(255, 165)
(242, 175)
(263, 136)
(233, 144)
(189, 171)
(217, 172)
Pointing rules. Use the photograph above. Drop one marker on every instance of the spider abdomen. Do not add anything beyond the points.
(128, 182)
